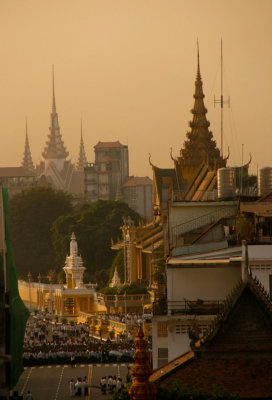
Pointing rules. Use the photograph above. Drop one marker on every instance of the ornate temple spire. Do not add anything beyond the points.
(54, 148)
(82, 159)
(27, 158)
(200, 146)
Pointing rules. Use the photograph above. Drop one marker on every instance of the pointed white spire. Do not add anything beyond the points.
(54, 148)
(53, 83)
(82, 158)
(27, 158)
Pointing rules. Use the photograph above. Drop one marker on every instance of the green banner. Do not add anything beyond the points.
(18, 313)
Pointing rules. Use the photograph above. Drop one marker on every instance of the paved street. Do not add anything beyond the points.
(52, 382)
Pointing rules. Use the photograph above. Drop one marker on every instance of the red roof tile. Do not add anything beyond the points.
(250, 378)
(108, 144)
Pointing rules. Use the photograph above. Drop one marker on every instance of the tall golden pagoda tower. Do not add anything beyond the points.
(200, 147)
(55, 150)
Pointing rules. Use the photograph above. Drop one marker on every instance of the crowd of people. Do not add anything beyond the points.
(111, 385)
(130, 319)
(49, 343)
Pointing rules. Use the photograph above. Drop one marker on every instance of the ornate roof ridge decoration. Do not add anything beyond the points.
(141, 388)
(27, 158)
(54, 148)
(82, 158)
(259, 291)
(200, 144)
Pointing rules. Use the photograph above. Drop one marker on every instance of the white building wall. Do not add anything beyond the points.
(177, 344)
(201, 283)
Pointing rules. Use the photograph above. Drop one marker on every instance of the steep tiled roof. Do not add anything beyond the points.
(236, 355)
(250, 378)
(12, 172)
(161, 175)
(258, 291)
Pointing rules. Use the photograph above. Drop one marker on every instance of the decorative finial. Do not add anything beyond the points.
(26, 126)
(81, 129)
(73, 236)
(53, 82)
(171, 154)
(82, 158)
(149, 159)
(198, 63)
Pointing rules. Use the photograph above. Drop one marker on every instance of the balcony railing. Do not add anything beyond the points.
(187, 307)
(200, 222)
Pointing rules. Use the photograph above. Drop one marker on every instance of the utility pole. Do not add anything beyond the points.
(221, 101)
(242, 168)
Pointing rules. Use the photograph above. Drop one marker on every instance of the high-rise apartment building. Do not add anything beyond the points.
(106, 175)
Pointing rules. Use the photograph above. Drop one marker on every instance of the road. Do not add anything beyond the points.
(48, 382)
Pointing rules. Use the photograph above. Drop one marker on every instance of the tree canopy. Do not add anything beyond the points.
(31, 215)
(94, 227)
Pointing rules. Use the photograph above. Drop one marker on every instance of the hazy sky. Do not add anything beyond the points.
(127, 68)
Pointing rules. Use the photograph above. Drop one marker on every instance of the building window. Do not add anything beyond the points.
(162, 329)
(181, 329)
(162, 356)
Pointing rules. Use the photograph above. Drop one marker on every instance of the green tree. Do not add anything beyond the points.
(94, 227)
(31, 214)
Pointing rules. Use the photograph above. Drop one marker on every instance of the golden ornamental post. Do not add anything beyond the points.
(141, 389)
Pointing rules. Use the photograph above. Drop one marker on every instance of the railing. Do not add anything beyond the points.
(121, 297)
(200, 222)
(187, 307)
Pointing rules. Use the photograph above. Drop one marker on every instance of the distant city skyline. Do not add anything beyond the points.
(128, 68)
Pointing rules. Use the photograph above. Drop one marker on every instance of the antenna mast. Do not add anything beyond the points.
(222, 102)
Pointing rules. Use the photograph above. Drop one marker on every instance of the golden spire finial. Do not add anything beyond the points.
(149, 159)
(53, 83)
(198, 76)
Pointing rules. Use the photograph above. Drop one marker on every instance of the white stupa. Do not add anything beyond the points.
(115, 282)
(74, 269)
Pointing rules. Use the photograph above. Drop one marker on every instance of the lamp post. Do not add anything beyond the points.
(29, 289)
(126, 311)
(39, 280)
(61, 298)
(50, 294)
